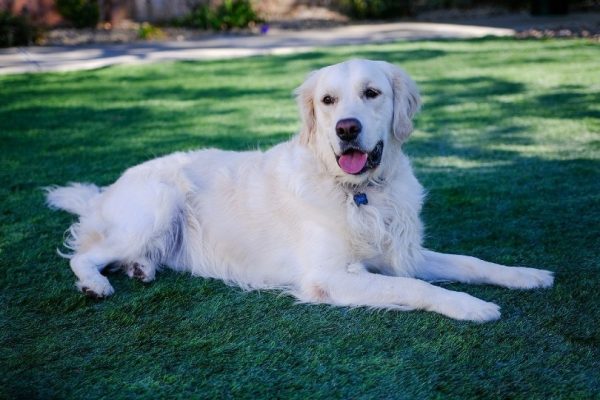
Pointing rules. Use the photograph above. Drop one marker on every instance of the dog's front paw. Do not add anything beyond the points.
(465, 307)
(96, 288)
(529, 278)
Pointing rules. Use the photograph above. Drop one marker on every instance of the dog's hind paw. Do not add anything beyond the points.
(98, 289)
(145, 272)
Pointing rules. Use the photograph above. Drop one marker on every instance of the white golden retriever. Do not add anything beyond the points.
(331, 216)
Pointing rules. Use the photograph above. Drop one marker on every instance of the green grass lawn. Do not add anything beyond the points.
(507, 144)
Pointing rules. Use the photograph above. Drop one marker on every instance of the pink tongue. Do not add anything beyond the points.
(353, 161)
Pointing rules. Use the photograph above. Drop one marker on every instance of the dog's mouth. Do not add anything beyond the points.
(356, 161)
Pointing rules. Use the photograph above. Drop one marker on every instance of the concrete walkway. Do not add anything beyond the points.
(70, 58)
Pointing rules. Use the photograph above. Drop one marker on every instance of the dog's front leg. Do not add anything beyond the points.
(450, 267)
(355, 286)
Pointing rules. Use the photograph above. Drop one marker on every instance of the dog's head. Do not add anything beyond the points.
(354, 112)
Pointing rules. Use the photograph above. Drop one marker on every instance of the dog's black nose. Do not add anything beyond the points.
(348, 129)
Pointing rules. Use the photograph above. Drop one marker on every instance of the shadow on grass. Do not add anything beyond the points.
(147, 88)
(569, 103)
(545, 208)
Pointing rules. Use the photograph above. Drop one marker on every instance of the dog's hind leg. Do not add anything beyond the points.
(121, 251)
(136, 223)
(87, 266)
(125, 250)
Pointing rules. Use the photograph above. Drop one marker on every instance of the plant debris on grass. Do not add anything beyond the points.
(507, 145)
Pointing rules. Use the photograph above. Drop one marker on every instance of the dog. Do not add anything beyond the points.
(330, 216)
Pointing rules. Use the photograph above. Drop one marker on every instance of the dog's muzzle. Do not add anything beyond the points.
(355, 160)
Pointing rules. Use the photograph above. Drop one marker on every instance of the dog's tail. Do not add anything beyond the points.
(75, 198)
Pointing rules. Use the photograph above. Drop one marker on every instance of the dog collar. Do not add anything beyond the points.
(361, 199)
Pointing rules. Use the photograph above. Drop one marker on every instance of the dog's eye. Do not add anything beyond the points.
(371, 93)
(328, 100)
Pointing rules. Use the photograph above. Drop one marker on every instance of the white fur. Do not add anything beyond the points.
(286, 218)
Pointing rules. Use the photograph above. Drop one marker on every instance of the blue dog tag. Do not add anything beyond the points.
(360, 199)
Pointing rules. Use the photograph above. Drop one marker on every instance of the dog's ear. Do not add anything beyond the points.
(407, 100)
(306, 104)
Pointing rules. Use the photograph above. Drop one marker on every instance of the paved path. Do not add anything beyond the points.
(70, 58)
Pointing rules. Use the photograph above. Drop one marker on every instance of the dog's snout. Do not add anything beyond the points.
(348, 129)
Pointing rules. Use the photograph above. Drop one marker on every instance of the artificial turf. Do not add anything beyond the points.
(507, 144)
